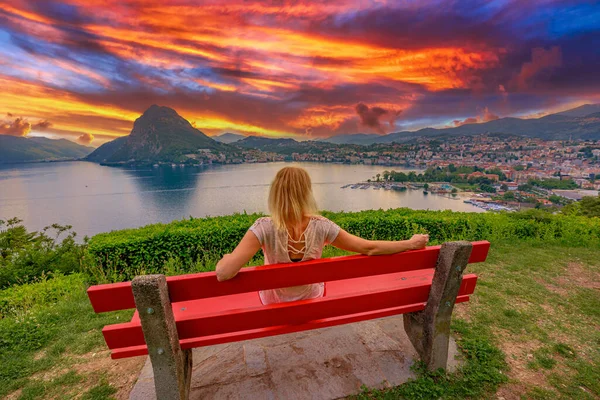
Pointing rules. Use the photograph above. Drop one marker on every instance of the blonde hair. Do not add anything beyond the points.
(291, 197)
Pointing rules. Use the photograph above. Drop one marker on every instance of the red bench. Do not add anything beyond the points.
(178, 313)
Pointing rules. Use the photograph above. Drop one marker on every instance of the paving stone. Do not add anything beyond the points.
(329, 363)
(374, 338)
(256, 388)
(255, 358)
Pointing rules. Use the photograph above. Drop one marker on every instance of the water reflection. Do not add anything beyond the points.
(95, 198)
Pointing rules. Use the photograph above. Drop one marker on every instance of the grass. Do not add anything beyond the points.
(539, 304)
(46, 343)
(530, 331)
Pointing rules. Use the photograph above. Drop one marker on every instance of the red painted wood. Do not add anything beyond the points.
(348, 298)
(141, 350)
(204, 285)
(111, 297)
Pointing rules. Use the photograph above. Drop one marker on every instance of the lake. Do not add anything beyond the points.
(94, 198)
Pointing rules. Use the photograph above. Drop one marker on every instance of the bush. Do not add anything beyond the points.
(21, 299)
(27, 256)
(121, 255)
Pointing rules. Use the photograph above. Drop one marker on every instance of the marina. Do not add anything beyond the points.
(439, 189)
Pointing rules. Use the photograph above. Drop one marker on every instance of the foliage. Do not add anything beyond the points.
(27, 256)
(194, 244)
(588, 206)
(564, 184)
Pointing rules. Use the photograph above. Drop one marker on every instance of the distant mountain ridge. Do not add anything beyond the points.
(33, 149)
(578, 123)
(160, 134)
(228, 138)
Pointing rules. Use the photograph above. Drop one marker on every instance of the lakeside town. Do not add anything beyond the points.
(491, 171)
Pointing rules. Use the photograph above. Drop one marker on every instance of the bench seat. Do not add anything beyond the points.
(231, 318)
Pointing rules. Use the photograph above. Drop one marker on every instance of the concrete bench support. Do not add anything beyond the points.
(429, 330)
(172, 366)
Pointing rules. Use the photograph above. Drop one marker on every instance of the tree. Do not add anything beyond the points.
(555, 199)
(426, 186)
(378, 175)
(508, 196)
(590, 206)
(504, 187)
(484, 187)
(386, 175)
(454, 190)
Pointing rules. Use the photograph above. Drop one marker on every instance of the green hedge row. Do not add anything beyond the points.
(146, 250)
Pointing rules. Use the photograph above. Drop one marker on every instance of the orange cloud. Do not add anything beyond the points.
(18, 127)
(485, 117)
(85, 138)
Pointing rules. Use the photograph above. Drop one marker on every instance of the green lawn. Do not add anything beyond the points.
(51, 344)
(532, 329)
(540, 305)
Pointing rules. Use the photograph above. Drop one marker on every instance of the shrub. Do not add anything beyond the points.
(27, 256)
(130, 252)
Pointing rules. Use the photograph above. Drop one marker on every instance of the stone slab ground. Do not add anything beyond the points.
(328, 363)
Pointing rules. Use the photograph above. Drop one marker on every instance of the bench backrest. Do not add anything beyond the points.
(119, 296)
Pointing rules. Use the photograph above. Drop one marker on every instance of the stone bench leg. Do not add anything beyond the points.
(172, 366)
(429, 330)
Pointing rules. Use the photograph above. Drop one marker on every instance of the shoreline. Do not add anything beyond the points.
(442, 189)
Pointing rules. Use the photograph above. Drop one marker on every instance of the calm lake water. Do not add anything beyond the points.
(94, 199)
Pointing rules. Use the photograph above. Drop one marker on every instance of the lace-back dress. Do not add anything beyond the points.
(277, 245)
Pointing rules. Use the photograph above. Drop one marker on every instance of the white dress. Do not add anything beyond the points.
(319, 232)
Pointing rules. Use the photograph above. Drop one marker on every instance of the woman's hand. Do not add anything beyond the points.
(418, 241)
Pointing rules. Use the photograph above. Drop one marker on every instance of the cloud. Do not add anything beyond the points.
(376, 117)
(42, 125)
(542, 61)
(18, 127)
(85, 138)
(485, 117)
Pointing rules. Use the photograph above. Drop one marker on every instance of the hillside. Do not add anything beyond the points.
(282, 146)
(578, 123)
(530, 330)
(31, 149)
(228, 138)
(160, 134)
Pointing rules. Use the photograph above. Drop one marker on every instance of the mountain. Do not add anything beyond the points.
(357, 138)
(160, 134)
(31, 149)
(228, 138)
(581, 111)
(578, 123)
(263, 143)
(283, 146)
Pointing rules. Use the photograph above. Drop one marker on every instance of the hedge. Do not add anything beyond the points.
(204, 240)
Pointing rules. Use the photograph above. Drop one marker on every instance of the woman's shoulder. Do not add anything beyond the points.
(263, 221)
(321, 220)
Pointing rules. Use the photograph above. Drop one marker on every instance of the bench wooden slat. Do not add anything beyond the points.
(196, 324)
(142, 350)
(119, 296)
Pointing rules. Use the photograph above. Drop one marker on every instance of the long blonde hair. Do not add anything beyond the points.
(291, 197)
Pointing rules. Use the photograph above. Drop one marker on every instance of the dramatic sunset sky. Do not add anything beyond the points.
(86, 69)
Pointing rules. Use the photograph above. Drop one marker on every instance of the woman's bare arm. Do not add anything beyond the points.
(230, 264)
(349, 242)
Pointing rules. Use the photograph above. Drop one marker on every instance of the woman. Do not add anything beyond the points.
(295, 232)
